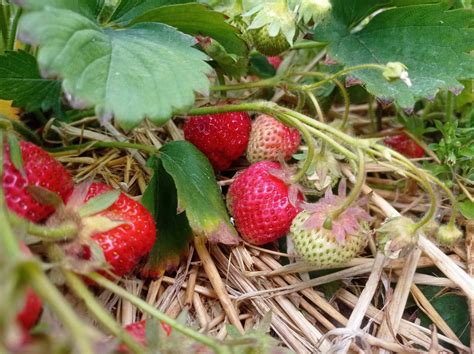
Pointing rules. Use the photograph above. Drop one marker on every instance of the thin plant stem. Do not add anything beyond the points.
(152, 311)
(309, 142)
(13, 29)
(57, 302)
(107, 144)
(247, 85)
(4, 20)
(104, 317)
(353, 195)
(62, 232)
(308, 45)
(341, 73)
(316, 105)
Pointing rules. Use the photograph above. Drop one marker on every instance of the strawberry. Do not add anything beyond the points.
(138, 331)
(269, 139)
(41, 170)
(222, 137)
(329, 247)
(260, 203)
(268, 45)
(405, 145)
(123, 245)
(31, 310)
(275, 61)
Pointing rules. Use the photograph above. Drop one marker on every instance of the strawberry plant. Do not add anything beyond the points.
(217, 158)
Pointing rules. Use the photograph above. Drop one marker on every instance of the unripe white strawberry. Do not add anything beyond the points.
(326, 247)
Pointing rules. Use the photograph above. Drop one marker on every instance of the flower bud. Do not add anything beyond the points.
(447, 235)
(397, 236)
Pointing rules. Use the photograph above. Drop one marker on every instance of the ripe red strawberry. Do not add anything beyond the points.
(138, 330)
(41, 170)
(30, 312)
(126, 244)
(222, 137)
(269, 139)
(260, 203)
(275, 61)
(405, 145)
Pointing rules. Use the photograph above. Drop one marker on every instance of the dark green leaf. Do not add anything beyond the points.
(260, 66)
(89, 8)
(173, 231)
(197, 19)
(129, 9)
(431, 41)
(99, 203)
(453, 309)
(467, 209)
(131, 74)
(21, 82)
(198, 192)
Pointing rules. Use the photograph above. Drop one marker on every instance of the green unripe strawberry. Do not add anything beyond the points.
(319, 247)
(268, 45)
(324, 245)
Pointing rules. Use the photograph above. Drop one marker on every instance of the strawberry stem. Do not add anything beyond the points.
(62, 232)
(58, 303)
(78, 287)
(353, 195)
(107, 144)
(146, 307)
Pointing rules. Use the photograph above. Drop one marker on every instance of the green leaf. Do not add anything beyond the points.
(453, 309)
(467, 209)
(197, 19)
(260, 66)
(89, 8)
(431, 41)
(21, 82)
(173, 230)
(146, 71)
(15, 153)
(198, 192)
(129, 9)
(99, 203)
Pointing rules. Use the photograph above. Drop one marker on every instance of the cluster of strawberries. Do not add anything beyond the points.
(263, 200)
(125, 230)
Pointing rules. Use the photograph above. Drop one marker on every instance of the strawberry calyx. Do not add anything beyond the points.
(397, 236)
(352, 220)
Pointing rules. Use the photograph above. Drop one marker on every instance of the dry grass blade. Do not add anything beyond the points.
(216, 281)
(365, 299)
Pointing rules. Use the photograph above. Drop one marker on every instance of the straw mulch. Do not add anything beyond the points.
(366, 312)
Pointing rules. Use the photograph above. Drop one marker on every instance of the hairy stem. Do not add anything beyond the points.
(107, 144)
(145, 307)
(104, 317)
(353, 195)
(62, 232)
(57, 302)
